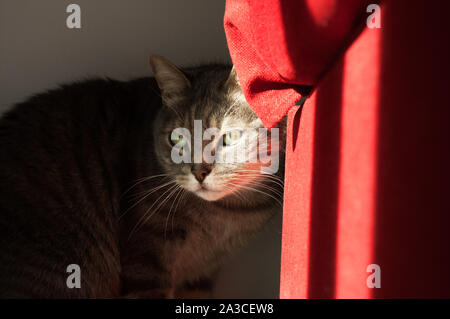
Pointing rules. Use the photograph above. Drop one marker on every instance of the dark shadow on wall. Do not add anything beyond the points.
(413, 203)
(327, 133)
(324, 201)
(315, 51)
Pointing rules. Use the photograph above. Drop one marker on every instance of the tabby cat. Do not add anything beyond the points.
(87, 178)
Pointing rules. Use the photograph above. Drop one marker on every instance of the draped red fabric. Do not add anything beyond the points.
(367, 174)
(278, 47)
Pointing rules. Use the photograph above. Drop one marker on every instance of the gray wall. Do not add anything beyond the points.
(38, 51)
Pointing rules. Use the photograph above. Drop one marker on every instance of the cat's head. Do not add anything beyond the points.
(208, 139)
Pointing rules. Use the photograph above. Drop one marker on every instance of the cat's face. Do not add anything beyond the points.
(206, 136)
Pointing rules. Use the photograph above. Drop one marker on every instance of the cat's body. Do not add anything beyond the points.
(72, 164)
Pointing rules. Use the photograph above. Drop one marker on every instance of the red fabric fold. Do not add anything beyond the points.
(278, 47)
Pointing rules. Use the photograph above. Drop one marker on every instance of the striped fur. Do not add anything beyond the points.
(68, 159)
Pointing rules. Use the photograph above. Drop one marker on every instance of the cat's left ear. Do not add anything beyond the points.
(171, 81)
(232, 81)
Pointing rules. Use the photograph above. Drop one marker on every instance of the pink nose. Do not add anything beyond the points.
(200, 172)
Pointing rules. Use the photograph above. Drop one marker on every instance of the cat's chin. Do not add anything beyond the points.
(209, 195)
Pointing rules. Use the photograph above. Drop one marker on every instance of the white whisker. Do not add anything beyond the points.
(147, 193)
(259, 191)
(144, 217)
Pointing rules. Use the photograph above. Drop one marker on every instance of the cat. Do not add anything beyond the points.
(87, 177)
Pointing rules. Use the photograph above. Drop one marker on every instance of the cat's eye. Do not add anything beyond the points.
(232, 137)
(179, 141)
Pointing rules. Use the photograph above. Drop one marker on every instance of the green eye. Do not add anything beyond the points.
(179, 141)
(232, 137)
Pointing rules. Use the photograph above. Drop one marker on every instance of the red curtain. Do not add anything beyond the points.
(367, 154)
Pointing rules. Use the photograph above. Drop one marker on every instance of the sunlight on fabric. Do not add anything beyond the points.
(356, 208)
(321, 10)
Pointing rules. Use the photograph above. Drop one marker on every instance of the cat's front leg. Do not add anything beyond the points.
(200, 289)
(147, 280)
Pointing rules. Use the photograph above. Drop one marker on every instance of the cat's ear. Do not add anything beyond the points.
(232, 83)
(171, 81)
(233, 87)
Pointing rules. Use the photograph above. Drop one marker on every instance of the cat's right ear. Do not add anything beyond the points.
(171, 81)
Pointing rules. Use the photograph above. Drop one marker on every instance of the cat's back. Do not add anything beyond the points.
(57, 180)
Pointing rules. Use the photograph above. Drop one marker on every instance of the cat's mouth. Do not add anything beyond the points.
(208, 190)
(204, 189)
(208, 194)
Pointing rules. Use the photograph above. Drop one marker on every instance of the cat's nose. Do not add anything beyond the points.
(200, 172)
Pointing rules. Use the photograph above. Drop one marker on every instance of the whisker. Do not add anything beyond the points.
(278, 190)
(144, 217)
(277, 182)
(178, 190)
(257, 173)
(259, 191)
(183, 193)
(272, 181)
(141, 180)
(272, 189)
(148, 193)
(235, 192)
